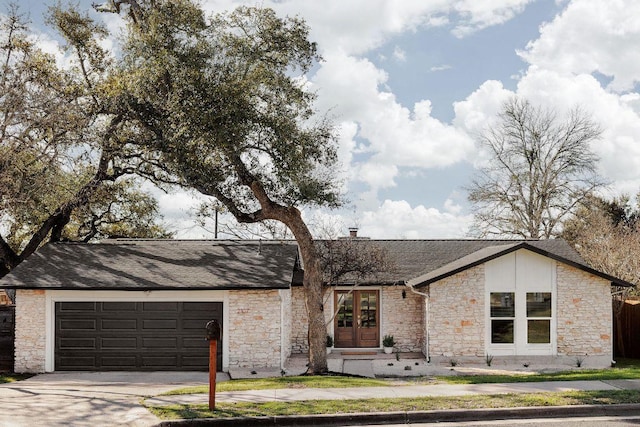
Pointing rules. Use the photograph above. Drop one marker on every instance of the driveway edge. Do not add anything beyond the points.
(455, 415)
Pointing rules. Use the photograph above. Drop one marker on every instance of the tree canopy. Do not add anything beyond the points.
(540, 168)
(606, 233)
(59, 145)
(221, 103)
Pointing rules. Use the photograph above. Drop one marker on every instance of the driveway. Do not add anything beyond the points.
(95, 399)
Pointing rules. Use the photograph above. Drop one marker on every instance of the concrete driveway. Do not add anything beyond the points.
(93, 399)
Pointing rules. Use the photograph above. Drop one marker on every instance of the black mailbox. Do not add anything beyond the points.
(213, 330)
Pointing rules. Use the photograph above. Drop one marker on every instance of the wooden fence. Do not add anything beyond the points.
(630, 330)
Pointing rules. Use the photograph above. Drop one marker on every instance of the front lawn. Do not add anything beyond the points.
(631, 370)
(573, 375)
(315, 407)
(303, 381)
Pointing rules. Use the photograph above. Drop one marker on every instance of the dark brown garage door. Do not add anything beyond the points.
(145, 336)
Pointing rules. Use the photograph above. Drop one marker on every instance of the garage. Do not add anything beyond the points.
(134, 335)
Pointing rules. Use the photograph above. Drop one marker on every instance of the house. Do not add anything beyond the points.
(143, 304)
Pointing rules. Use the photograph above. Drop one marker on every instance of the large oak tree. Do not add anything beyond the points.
(222, 101)
(62, 153)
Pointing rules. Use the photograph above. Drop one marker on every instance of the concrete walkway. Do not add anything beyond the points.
(80, 399)
(400, 391)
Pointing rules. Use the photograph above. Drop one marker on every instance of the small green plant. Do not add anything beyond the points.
(329, 341)
(488, 359)
(388, 341)
(398, 356)
(453, 362)
(580, 361)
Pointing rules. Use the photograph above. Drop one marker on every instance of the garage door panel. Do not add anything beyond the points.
(193, 342)
(78, 343)
(150, 324)
(119, 306)
(195, 324)
(160, 306)
(194, 362)
(162, 361)
(119, 324)
(120, 362)
(78, 306)
(80, 362)
(78, 325)
(120, 343)
(159, 343)
(134, 335)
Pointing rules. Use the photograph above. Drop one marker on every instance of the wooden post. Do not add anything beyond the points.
(213, 335)
(213, 356)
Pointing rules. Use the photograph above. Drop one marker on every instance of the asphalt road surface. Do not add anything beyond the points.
(543, 422)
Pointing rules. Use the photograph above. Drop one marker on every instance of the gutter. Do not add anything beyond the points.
(410, 285)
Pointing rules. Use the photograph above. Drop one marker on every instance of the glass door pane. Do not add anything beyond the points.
(368, 310)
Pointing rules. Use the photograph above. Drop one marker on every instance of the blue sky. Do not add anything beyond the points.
(411, 82)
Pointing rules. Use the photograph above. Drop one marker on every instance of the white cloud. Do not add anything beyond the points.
(440, 68)
(591, 36)
(358, 26)
(394, 135)
(480, 14)
(398, 219)
(481, 107)
(399, 54)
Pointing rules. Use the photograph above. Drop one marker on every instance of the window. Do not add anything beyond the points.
(502, 317)
(538, 317)
(345, 313)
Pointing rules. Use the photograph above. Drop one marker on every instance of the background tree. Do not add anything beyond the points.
(540, 169)
(607, 235)
(221, 102)
(58, 142)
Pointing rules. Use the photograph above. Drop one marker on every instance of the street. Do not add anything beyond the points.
(543, 422)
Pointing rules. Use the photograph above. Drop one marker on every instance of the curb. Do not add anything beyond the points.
(456, 415)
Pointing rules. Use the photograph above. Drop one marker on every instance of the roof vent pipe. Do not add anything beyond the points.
(353, 231)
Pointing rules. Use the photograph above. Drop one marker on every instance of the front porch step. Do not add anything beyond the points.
(371, 355)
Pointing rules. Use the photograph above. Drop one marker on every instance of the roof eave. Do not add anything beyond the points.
(419, 282)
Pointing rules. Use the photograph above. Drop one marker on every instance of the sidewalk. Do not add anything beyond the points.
(401, 391)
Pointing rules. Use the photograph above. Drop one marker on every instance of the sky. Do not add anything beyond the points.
(411, 83)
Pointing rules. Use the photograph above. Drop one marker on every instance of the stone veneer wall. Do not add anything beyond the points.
(255, 321)
(30, 324)
(456, 315)
(403, 318)
(299, 328)
(584, 313)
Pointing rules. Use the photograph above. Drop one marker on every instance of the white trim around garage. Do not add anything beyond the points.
(54, 296)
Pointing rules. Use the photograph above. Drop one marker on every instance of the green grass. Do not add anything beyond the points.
(320, 381)
(574, 375)
(9, 378)
(631, 371)
(314, 407)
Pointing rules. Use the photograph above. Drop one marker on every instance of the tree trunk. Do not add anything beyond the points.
(312, 285)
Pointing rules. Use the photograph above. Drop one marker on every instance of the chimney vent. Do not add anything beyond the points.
(353, 231)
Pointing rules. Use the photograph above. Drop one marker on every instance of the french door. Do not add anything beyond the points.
(357, 324)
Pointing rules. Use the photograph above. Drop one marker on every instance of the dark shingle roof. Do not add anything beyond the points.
(240, 264)
(157, 264)
(429, 259)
